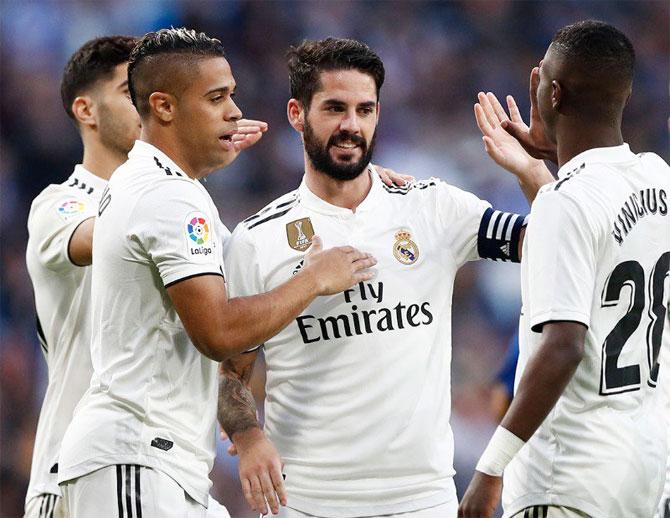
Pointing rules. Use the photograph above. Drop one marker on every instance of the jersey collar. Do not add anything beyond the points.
(148, 151)
(313, 202)
(85, 180)
(603, 155)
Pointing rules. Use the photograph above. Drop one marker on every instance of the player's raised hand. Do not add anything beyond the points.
(482, 497)
(260, 472)
(391, 178)
(502, 147)
(533, 139)
(339, 268)
(248, 133)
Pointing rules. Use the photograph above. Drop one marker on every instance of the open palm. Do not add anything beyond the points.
(503, 148)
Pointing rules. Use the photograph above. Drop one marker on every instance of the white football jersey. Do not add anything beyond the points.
(597, 251)
(63, 304)
(358, 386)
(152, 399)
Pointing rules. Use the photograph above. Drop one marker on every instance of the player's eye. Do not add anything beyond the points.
(217, 98)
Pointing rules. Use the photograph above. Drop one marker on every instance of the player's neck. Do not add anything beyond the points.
(100, 160)
(341, 193)
(170, 145)
(575, 139)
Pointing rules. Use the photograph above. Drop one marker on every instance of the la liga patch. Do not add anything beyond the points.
(70, 208)
(199, 239)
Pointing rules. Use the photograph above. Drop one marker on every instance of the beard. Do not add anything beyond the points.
(319, 154)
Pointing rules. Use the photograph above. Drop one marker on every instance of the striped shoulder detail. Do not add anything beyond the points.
(404, 189)
(275, 210)
(167, 170)
(76, 184)
(570, 174)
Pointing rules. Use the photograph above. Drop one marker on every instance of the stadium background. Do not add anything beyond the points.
(438, 55)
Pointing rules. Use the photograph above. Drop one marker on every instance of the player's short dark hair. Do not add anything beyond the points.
(94, 60)
(310, 58)
(597, 47)
(160, 61)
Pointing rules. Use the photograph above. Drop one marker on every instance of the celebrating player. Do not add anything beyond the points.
(358, 385)
(142, 438)
(94, 91)
(585, 434)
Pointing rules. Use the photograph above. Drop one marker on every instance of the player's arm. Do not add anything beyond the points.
(260, 464)
(220, 327)
(505, 149)
(80, 247)
(60, 226)
(562, 265)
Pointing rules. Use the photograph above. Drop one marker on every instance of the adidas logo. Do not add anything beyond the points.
(505, 249)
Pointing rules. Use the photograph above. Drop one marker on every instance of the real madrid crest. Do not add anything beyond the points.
(404, 249)
(299, 234)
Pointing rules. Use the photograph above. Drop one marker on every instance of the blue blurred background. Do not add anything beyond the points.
(438, 55)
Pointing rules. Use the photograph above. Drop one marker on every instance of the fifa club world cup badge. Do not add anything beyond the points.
(299, 234)
(404, 249)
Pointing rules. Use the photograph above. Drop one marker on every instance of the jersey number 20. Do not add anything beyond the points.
(615, 379)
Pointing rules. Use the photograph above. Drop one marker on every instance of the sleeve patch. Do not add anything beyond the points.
(499, 234)
(200, 241)
(71, 208)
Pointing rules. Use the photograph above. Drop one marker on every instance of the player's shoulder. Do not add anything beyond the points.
(272, 214)
(412, 190)
(655, 163)
(59, 201)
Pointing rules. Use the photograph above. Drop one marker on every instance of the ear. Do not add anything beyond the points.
(84, 111)
(556, 95)
(296, 115)
(163, 106)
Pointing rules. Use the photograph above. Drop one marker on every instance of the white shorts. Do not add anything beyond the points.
(550, 511)
(130, 491)
(45, 506)
(448, 510)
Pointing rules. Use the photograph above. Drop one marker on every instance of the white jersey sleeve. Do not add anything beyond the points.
(242, 265)
(176, 235)
(54, 216)
(473, 230)
(561, 248)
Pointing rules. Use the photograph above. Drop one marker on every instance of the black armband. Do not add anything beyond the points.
(499, 235)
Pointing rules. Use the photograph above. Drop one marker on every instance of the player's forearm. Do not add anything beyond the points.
(535, 177)
(236, 407)
(250, 321)
(547, 374)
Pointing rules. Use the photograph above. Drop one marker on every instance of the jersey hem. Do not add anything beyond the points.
(311, 507)
(532, 499)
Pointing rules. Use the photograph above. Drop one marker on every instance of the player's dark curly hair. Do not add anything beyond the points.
(95, 60)
(309, 59)
(598, 47)
(152, 63)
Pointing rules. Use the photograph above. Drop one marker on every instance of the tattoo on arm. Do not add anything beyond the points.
(237, 407)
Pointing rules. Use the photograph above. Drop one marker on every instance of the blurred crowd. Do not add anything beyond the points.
(438, 55)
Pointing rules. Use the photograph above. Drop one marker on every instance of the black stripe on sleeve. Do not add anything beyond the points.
(495, 239)
(265, 220)
(54, 500)
(41, 512)
(119, 489)
(138, 493)
(218, 274)
(129, 508)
